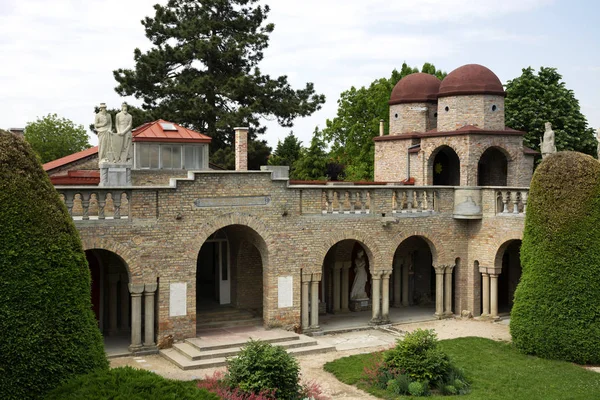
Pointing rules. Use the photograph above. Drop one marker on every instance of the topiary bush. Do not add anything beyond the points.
(418, 356)
(262, 367)
(556, 312)
(48, 330)
(128, 383)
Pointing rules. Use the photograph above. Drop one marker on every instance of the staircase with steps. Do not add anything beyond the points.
(227, 317)
(212, 349)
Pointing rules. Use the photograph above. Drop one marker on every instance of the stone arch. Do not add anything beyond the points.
(263, 241)
(500, 245)
(430, 238)
(477, 152)
(454, 166)
(127, 255)
(371, 249)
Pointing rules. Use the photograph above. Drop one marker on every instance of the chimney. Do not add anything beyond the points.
(381, 127)
(241, 149)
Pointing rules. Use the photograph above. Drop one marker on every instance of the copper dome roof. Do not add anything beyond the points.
(471, 79)
(415, 88)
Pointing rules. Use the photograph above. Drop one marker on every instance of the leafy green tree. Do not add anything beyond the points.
(534, 99)
(49, 332)
(352, 131)
(556, 311)
(52, 137)
(287, 152)
(312, 164)
(202, 71)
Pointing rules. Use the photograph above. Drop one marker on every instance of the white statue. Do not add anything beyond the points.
(547, 144)
(598, 139)
(122, 146)
(103, 127)
(360, 278)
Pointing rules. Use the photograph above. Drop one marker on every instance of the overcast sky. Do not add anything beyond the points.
(58, 55)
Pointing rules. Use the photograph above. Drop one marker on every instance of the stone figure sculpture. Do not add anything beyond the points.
(122, 146)
(360, 278)
(547, 144)
(103, 127)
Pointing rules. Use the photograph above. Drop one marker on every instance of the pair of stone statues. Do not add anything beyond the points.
(114, 147)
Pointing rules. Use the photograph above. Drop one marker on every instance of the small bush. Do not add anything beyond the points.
(403, 382)
(419, 356)
(262, 367)
(127, 383)
(418, 388)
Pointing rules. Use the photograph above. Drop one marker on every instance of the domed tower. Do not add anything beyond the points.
(413, 104)
(471, 95)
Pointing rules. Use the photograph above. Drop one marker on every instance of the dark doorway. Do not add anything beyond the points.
(446, 167)
(492, 168)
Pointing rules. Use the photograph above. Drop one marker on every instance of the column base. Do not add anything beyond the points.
(377, 321)
(136, 348)
(438, 315)
(150, 347)
(448, 314)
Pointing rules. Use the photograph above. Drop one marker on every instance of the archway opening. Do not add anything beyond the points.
(111, 301)
(510, 275)
(229, 278)
(446, 167)
(413, 276)
(492, 169)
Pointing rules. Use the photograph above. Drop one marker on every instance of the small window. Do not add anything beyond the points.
(435, 115)
(446, 108)
(494, 108)
(167, 126)
(396, 116)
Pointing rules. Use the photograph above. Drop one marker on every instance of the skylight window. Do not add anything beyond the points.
(167, 126)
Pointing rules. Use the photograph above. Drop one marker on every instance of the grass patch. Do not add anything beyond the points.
(497, 371)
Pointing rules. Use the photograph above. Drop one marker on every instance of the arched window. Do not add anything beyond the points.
(446, 167)
(492, 168)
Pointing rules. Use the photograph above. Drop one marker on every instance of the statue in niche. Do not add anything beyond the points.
(103, 128)
(360, 278)
(122, 146)
(547, 143)
(598, 139)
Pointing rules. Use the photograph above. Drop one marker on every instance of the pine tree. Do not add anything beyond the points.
(202, 70)
(287, 152)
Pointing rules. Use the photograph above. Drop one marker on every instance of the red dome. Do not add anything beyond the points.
(471, 79)
(415, 88)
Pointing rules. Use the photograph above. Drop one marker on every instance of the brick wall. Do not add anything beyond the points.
(474, 110)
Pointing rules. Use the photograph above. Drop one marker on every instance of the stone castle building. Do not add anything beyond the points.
(440, 227)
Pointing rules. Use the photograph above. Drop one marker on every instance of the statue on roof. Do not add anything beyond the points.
(122, 141)
(547, 143)
(103, 128)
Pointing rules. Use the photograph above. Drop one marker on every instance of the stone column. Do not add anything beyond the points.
(439, 290)
(485, 283)
(136, 290)
(494, 295)
(376, 297)
(314, 302)
(124, 303)
(113, 293)
(304, 311)
(405, 268)
(448, 291)
(149, 289)
(337, 269)
(345, 285)
(385, 296)
(397, 275)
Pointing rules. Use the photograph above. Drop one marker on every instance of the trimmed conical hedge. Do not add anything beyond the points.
(48, 332)
(556, 311)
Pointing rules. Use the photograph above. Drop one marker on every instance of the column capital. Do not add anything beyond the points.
(316, 277)
(449, 269)
(150, 287)
(440, 269)
(387, 274)
(376, 275)
(483, 270)
(306, 277)
(136, 289)
(338, 265)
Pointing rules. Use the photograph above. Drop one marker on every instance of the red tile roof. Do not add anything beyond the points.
(71, 158)
(154, 132)
(83, 177)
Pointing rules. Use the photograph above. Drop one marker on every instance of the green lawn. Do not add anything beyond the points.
(496, 370)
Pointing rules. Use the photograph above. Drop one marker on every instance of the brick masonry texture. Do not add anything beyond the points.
(470, 110)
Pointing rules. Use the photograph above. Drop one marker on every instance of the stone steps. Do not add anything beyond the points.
(209, 352)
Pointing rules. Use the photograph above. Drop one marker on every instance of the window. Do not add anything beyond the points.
(170, 156)
(193, 157)
(147, 156)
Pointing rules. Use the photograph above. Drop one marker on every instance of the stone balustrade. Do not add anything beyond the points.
(346, 201)
(96, 203)
(414, 200)
(511, 201)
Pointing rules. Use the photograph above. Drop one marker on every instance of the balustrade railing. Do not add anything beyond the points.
(346, 201)
(414, 200)
(511, 201)
(97, 203)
